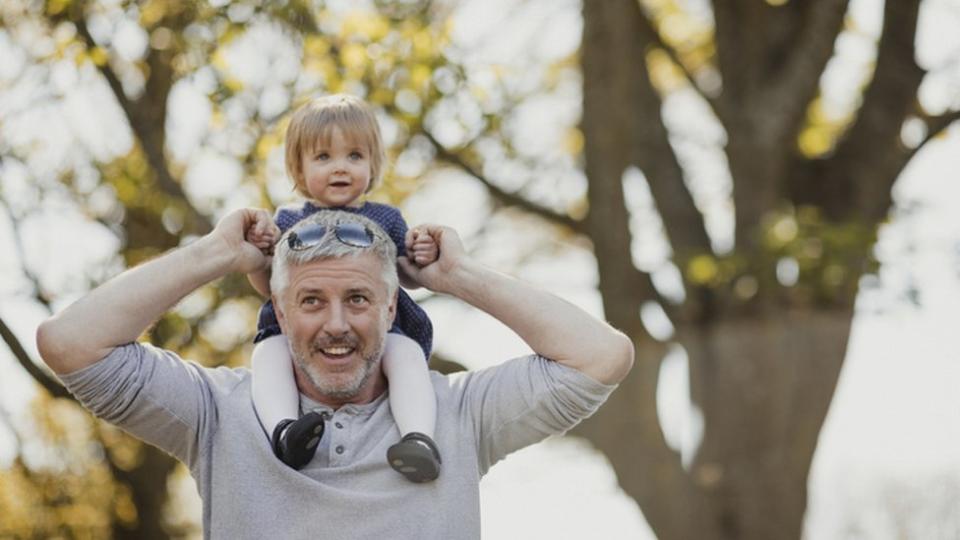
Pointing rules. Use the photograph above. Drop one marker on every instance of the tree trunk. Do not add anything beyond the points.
(764, 386)
(148, 486)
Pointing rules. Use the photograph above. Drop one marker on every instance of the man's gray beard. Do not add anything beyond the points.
(342, 391)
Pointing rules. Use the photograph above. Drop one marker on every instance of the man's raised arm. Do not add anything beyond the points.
(119, 311)
(551, 326)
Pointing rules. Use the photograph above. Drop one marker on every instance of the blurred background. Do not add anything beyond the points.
(762, 194)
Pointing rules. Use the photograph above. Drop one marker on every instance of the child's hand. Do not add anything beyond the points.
(422, 249)
(264, 234)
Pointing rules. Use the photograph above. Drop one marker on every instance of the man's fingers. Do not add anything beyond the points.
(425, 253)
(241, 230)
(410, 237)
(260, 229)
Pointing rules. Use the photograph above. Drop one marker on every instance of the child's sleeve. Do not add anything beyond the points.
(285, 217)
(397, 230)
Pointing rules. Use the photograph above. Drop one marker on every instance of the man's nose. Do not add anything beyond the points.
(336, 322)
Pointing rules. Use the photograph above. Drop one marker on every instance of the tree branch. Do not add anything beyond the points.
(871, 156)
(38, 374)
(936, 125)
(797, 82)
(47, 381)
(653, 36)
(732, 48)
(144, 128)
(504, 197)
(646, 137)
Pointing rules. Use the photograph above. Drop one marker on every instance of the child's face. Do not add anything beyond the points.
(337, 174)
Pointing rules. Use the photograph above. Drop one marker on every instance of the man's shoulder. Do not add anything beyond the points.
(222, 379)
(460, 381)
(529, 371)
(228, 379)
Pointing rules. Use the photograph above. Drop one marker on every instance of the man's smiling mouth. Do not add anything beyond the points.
(336, 352)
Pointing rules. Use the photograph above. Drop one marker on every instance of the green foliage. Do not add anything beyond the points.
(824, 262)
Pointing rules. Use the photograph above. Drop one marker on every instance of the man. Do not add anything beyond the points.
(335, 301)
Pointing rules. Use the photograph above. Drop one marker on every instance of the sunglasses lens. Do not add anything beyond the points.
(354, 234)
(306, 236)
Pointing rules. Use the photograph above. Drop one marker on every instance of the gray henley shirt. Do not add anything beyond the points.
(205, 418)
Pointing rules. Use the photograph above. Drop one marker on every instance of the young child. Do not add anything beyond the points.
(334, 154)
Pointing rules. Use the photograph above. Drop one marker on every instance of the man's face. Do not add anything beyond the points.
(335, 314)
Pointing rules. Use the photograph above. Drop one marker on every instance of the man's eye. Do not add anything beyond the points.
(358, 299)
(310, 301)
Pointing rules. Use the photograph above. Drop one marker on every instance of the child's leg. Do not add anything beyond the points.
(275, 394)
(294, 438)
(414, 407)
(412, 399)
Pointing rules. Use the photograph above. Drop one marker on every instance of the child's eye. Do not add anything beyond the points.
(323, 156)
(356, 155)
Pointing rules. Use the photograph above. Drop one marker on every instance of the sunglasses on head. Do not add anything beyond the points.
(351, 234)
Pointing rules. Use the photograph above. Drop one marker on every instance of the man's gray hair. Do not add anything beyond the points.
(330, 247)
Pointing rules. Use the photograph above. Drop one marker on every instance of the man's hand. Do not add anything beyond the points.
(249, 234)
(421, 247)
(264, 233)
(440, 273)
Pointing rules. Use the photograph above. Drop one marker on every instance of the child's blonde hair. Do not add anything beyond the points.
(312, 125)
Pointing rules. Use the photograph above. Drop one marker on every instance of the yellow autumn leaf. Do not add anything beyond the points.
(420, 77)
(233, 84)
(266, 144)
(55, 7)
(364, 24)
(354, 56)
(98, 55)
(782, 231)
(664, 74)
(151, 12)
(702, 269)
(573, 141)
(423, 46)
(315, 46)
(814, 141)
(380, 96)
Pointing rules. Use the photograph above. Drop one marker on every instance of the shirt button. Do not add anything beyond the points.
(340, 449)
(339, 425)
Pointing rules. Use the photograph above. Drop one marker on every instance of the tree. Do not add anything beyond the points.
(764, 353)
(809, 191)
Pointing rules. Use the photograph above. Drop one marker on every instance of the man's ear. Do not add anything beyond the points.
(278, 312)
(392, 309)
